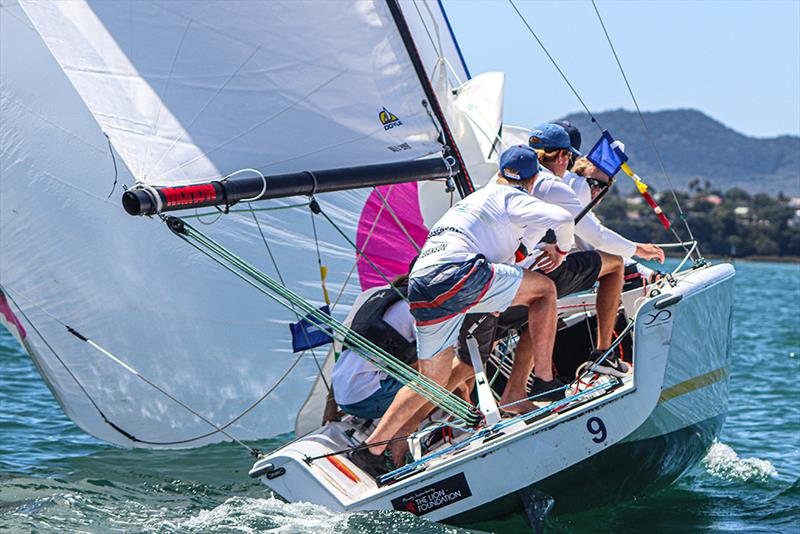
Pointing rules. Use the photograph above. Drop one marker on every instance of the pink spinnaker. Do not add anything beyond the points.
(382, 238)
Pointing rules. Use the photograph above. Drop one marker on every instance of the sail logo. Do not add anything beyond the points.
(388, 119)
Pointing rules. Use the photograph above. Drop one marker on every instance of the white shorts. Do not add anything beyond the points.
(434, 338)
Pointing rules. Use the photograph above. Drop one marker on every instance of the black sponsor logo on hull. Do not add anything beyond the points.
(437, 495)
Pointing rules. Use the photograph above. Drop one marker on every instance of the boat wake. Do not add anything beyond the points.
(248, 514)
(723, 462)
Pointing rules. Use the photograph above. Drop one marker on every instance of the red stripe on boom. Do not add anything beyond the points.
(189, 195)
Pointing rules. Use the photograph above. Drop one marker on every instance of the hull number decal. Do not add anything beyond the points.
(597, 427)
(437, 495)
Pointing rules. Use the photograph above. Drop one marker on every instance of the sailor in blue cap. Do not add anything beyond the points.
(603, 250)
(553, 146)
(574, 139)
(468, 265)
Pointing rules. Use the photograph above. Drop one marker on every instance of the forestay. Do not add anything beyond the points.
(186, 92)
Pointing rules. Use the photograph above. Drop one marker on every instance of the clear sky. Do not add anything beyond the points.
(737, 61)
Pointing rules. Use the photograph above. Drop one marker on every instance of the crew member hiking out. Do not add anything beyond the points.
(467, 263)
(602, 262)
(383, 317)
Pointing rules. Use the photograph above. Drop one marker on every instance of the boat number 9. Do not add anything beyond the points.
(597, 427)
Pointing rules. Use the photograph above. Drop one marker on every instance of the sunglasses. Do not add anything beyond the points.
(595, 183)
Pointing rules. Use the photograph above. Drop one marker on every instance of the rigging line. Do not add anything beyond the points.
(324, 291)
(283, 296)
(280, 277)
(362, 254)
(63, 364)
(247, 410)
(463, 180)
(274, 208)
(553, 61)
(650, 137)
(130, 369)
(586, 320)
(113, 160)
(159, 389)
(366, 242)
(397, 220)
(438, 49)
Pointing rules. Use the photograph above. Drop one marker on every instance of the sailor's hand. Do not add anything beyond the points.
(648, 251)
(550, 259)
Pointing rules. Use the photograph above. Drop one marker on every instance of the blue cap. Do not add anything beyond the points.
(549, 136)
(574, 133)
(519, 163)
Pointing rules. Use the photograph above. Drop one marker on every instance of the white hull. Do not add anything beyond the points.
(671, 372)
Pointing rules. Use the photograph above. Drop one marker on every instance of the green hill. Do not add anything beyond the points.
(695, 146)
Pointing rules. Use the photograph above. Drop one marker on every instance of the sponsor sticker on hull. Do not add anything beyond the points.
(438, 495)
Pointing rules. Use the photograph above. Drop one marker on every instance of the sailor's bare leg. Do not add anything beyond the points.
(536, 345)
(609, 294)
(459, 375)
(407, 405)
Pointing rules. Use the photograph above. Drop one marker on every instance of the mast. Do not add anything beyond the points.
(462, 179)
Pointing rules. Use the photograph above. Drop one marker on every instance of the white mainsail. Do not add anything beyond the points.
(189, 91)
(186, 92)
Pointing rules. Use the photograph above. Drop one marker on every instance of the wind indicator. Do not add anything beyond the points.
(609, 156)
(642, 188)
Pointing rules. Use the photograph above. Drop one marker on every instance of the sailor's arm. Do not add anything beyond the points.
(537, 217)
(540, 217)
(591, 230)
(602, 238)
(589, 227)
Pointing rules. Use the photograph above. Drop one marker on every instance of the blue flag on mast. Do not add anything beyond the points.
(307, 335)
(607, 155)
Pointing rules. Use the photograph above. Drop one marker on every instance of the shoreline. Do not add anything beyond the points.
(754, 258)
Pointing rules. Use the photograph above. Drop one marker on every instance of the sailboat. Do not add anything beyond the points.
(280, 157)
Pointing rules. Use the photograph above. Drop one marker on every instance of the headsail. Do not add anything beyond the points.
(187, 91)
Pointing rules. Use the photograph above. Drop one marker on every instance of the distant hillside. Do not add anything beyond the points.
(693, 145)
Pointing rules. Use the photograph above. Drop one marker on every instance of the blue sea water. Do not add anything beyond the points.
(53, 477)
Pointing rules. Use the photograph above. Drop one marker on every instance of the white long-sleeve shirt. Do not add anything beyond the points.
(353, 377)
(590, 231)
(493, 221)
